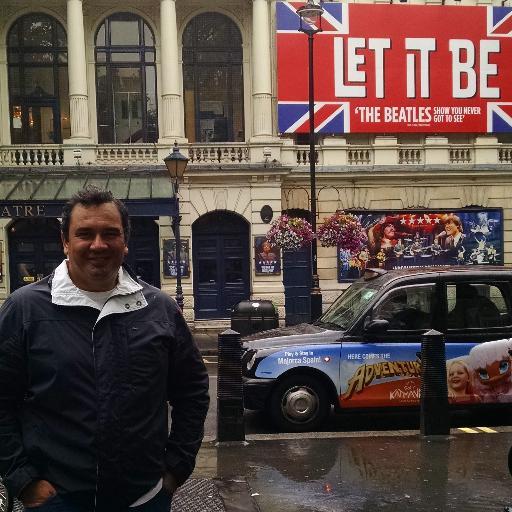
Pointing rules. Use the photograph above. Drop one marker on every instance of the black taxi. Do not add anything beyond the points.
(364, 350)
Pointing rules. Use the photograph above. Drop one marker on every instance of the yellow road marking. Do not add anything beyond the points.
(468, 430)
(488, 430)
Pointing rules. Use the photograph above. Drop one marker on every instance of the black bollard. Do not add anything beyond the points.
(434, 417)
(230, 401)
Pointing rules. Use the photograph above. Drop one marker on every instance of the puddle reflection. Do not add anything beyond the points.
(361, 474)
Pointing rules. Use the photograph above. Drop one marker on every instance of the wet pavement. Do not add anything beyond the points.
(388, 471)
(352, 472)
(363, 472)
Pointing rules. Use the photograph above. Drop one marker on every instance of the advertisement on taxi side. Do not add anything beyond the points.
(372, 377)
(413, 68)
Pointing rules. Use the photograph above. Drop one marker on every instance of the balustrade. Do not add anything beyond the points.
(463, 155)
(39, 155)
(127, 154)
(410, 156)
(216, 154)
(237, 153)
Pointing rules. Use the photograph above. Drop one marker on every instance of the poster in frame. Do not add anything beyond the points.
(169, 258)
(267, 257)
(420, 238)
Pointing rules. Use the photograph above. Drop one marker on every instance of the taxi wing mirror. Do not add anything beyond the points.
(376, 326)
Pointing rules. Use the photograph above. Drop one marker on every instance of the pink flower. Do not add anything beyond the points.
(342, 230)
(290, 233)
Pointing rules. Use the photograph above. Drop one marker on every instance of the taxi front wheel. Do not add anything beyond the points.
(299, 403)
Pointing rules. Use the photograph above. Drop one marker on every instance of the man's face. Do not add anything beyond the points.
(389, 231)
(451, 228)
(96, 246)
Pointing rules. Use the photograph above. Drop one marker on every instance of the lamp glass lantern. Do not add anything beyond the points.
(176, 164)
(310, 17)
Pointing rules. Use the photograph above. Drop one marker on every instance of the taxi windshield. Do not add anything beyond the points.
(348, 306)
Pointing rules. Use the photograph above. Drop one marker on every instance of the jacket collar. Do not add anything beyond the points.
(127, 295)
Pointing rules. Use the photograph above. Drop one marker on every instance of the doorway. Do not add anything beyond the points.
(143, 250)
(297, 279)
(35, 250)
(220, 257)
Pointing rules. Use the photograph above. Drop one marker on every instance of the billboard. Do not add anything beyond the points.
(397, 68)
(420, 238)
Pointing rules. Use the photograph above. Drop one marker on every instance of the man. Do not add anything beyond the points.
(452, 239)
(89, 357)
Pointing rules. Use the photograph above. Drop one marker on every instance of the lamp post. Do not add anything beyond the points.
(310, 23)
(176, 164)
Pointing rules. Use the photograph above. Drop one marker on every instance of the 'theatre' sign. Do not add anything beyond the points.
(397, 68)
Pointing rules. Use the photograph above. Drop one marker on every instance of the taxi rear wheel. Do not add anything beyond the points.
(299, 404)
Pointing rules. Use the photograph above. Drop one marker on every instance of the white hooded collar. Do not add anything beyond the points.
(125, 297)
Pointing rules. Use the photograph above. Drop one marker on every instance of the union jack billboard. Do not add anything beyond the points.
(397, 68)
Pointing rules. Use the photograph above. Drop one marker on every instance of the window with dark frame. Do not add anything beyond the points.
(408, 308)
(213, 80)
(476, 304)
(38, 80)
(126, 81)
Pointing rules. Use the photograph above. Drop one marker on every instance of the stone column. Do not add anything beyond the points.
(171, 118)
(261, 71)
(486, 149)
(5, 127)
(77, 71)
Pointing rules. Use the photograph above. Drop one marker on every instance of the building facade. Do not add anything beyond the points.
(98, 91)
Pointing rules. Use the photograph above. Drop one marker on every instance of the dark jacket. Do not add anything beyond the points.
(84, 406)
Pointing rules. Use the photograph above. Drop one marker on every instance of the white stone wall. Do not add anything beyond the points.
(245, 191)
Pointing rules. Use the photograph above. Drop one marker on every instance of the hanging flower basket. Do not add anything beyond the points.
(290, 233)
(342, 230)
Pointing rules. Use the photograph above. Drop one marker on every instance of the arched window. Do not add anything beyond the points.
(38, 80)
(213, 79)
(126, 80)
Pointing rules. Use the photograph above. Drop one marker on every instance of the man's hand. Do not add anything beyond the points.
(36, 493)
(169, 483)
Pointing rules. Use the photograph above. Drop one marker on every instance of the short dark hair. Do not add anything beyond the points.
(456, 220)
(94, 196)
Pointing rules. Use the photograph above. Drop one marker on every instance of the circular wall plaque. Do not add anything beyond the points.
(266, 213)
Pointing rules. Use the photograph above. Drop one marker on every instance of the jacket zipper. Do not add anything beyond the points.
(97, 463)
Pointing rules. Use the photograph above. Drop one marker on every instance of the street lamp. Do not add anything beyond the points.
(176, 164)
(310, 23)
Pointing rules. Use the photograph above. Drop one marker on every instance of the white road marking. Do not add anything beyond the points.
(487, 430)
(468, 430)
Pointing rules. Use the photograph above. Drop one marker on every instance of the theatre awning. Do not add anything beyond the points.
(42, 193)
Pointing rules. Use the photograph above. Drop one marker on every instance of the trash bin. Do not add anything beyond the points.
(250, 316)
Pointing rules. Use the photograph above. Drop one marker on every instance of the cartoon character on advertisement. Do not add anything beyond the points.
(490, 364)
